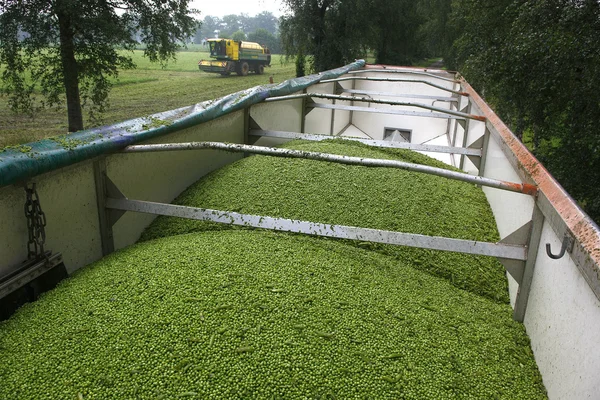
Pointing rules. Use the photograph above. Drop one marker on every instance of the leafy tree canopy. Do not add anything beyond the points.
(238, 35)
(266, 38)
(70, 47)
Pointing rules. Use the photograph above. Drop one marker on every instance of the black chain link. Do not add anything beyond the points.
(36, 223)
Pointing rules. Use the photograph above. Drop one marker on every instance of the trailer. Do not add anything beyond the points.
(91, 197)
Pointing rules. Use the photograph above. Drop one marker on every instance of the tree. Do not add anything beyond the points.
(230, 24)
(538, 64)
(71, 47)
(264, 37)
(330, 31)
(238, 36)
(264, 20)
(394, 32)
(210, 24)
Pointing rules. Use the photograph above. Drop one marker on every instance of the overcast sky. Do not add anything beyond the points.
(250, 7)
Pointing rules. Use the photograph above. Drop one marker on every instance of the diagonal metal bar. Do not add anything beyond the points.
(377, 101)
(405, 95)
(373, 79)
(318, 229)
(524, 188)
(390, 111)
(368, 142)
(399, 71)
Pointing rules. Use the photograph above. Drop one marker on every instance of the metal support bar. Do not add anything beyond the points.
(363, 78)
(465, 126)
(532, 246)
(326, 230)
(378, 101)
(524, 188)
(398, 71)
(383, 111)
(484, 150)
(303, 113)
(332, 124)
(390, 94)
(106, 233)
(368, 142)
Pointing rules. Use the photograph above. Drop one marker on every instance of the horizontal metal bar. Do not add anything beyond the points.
(311, 155)
(408, 96)
(395, 103)
(368, 142)
(375, 101)
(382, 111)
(400, 71)
(326, 230)
(374, 79)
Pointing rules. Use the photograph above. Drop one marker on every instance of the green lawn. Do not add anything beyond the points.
(146, 90)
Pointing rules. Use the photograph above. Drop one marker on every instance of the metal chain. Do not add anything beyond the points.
(36, 223)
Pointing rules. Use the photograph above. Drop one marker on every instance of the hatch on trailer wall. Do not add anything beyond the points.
(397, 135)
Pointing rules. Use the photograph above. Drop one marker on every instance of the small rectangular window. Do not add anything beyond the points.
(397, 135)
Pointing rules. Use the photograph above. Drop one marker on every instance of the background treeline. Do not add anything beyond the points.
(536, 62)
(262, 28)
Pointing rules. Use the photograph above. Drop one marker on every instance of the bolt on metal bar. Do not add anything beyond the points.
(399, 71)
(373, 79)
(368, 142)
(378, 101)
(406, 95)
(524, 188)
(319, 229)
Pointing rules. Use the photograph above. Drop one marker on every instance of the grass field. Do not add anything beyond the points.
(146, 90)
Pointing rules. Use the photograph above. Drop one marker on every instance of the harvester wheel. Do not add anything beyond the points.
(243, 69)
(260, 69)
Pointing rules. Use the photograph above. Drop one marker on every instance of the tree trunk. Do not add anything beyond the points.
(70, 74)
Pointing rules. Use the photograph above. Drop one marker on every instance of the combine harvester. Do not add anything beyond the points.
(412, 315)
(236, 56)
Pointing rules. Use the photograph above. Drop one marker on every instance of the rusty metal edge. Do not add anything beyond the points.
(558, 207)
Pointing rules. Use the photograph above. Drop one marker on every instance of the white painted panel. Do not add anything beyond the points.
(423, 129)
(162, 176)
(563, 322)
(353, 131)
(341, 117)
(278, 115)
(68, 198)
(318, 121)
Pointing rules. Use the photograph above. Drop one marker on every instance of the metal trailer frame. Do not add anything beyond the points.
(513, 252)
(549, 214)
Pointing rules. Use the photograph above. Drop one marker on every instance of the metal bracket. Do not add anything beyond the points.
(519, 237)
(252, 126)
(310, 105)
(106, 217)
(28, 271)
(478, 144)
(522, 299)
(567, 246)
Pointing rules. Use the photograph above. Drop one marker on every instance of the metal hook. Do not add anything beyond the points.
(567, 245)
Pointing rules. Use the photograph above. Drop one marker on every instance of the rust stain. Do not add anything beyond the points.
(529, 189)
(577, 221)
(479, 117)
